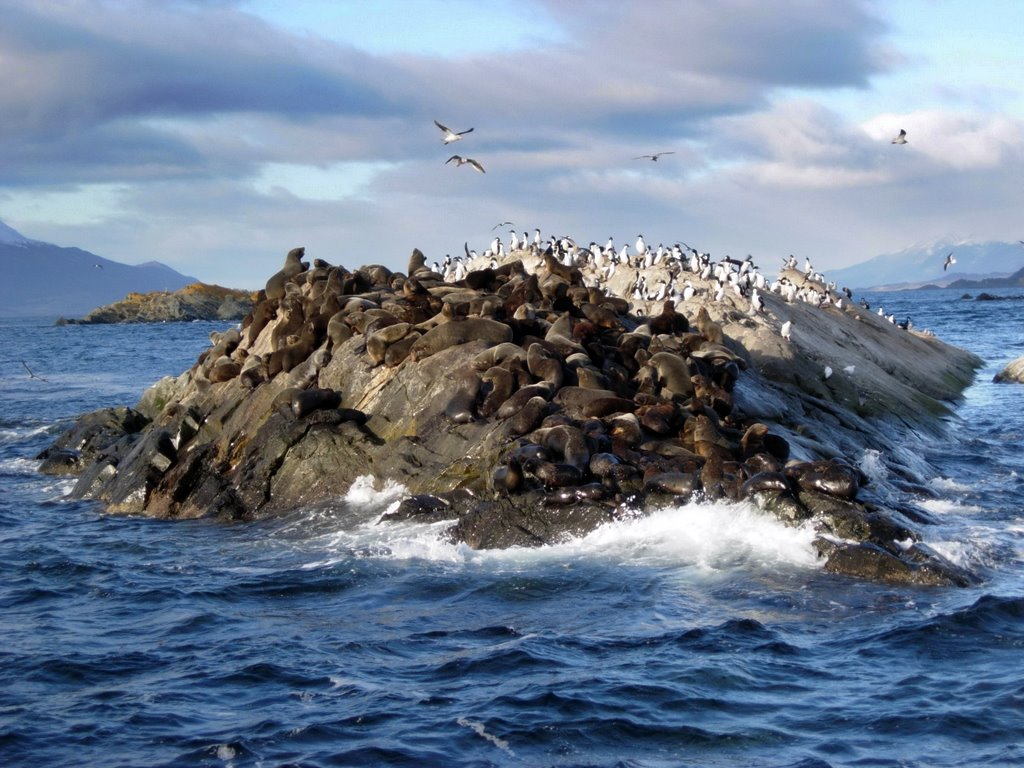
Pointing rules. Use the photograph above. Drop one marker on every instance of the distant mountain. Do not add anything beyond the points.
(922, 264)
(42, 279)
(1016, 280)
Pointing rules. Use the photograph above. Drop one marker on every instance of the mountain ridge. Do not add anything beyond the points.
(46, 280)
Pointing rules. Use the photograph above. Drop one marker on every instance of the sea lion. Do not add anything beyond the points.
(553, 475)
(378, 341)
(502, 384)
(288, 357)
(683, 484)
(568, 442)
(307, 372)
(668, 321)
(224, 369)
(711, 330)
(526, 418)
(417, 261)
(462, 405)
(519, 399)
(545, 367)
(673, 374)
(498, 354)
(829, 477)
(396, 353)
(306, 401)
(451, 334)
(338, 331)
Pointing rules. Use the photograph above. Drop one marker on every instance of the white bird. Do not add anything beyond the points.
(756, 302)
(850, 369)
(450, 135)
(459, 160)
(949, 260)
(786, 331)
(641, 246)
(827, 372)
(901, 138)
(653, 158)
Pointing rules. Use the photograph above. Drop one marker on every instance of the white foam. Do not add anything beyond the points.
(20, 466)
(703, 536)
(480, 731)
(948, 485)
(363, 491)
(872, 464)
(948, 507)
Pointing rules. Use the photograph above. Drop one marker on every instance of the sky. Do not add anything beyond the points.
(215, 135)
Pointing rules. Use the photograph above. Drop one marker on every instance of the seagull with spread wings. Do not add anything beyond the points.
(653, 158)
(460, 160)
(901, 137)
(450, 135)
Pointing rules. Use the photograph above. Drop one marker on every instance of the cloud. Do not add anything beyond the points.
(230, 140)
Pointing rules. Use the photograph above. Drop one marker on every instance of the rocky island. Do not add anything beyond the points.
(539, 394)
(197, 301)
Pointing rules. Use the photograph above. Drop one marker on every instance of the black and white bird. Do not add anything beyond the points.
(450, 135)
(460, 160)
(949, 260)
(653, 158)
(786, 331)
(901, 138)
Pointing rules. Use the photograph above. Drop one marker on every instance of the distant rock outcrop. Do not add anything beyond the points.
(527, 401)
(197, 301)
(1013, 371)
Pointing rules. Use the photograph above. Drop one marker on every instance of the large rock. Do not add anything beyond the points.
(1014, 371)
(527, 405)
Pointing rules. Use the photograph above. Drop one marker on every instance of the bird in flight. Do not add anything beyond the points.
(949, 260)
(501, 224)
(31, 375)
(653, 158)
(450, 135)
(460, 160)
(901, 138)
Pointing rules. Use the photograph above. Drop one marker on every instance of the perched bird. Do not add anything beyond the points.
(949, 260)
(850, 369)
(901, 138)
(827, 372)
(459, 160)
(450, 135)
(756, 302)
(653, 158)
(786, 331)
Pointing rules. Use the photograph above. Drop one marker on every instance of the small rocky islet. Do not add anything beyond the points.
(526, 400)
(198, 301)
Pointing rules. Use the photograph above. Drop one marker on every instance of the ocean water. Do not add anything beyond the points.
(705, 635)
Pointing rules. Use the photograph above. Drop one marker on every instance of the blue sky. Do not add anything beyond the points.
(215, 135)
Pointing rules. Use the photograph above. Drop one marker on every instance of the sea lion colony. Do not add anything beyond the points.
(594, 406)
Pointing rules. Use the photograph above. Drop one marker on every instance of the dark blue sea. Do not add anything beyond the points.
(706, 635)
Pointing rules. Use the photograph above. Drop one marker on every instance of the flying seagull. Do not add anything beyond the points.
(901, 138)
(460, 160)
(949, 260)
(450, 135)
(502, 224)
(30, 374)
(653, 158)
